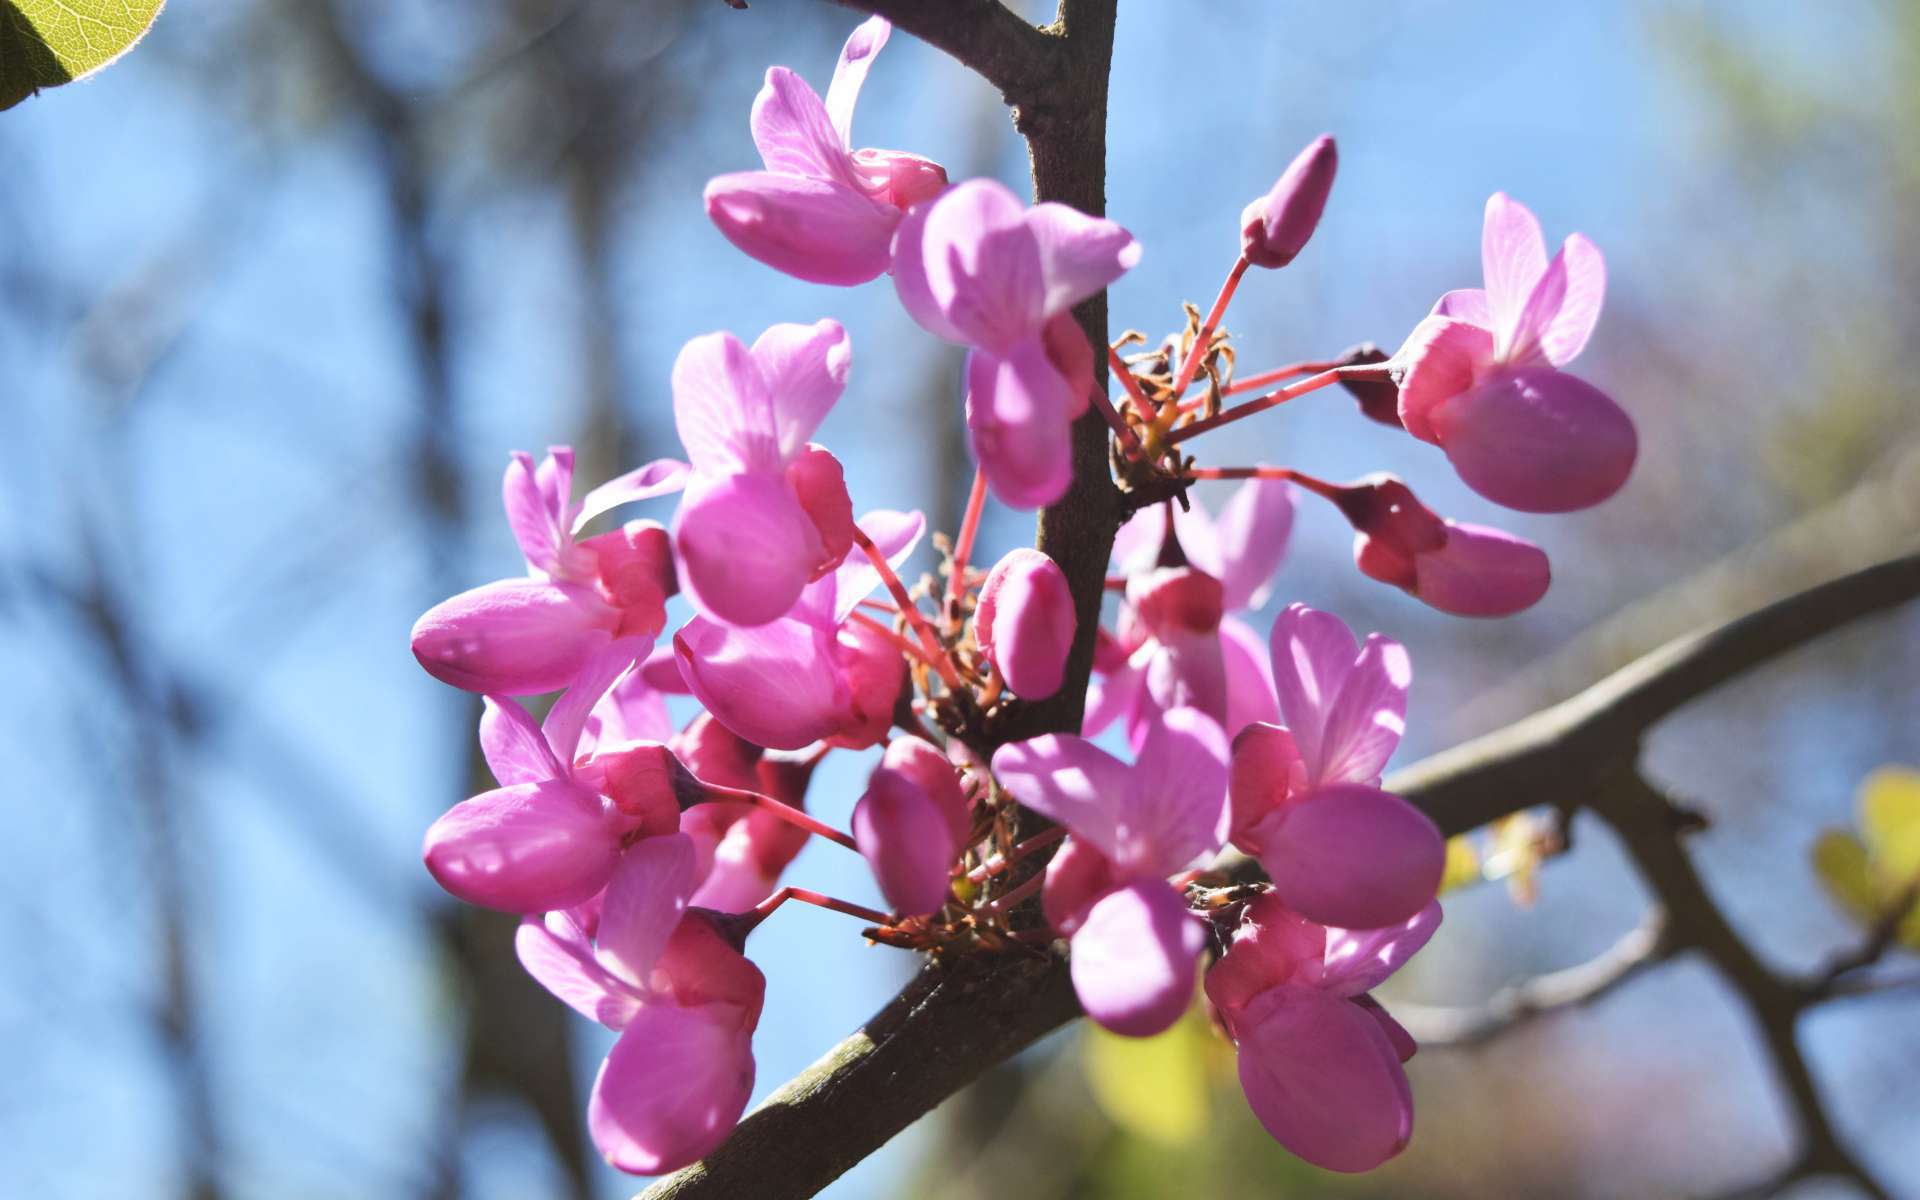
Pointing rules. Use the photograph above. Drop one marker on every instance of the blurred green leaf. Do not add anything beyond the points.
(1890, 822)
(1463, 865)
(1840, 860)
(1155, 1088)
(45, 43)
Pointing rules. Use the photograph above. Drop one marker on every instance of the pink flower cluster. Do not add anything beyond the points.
(643, 856)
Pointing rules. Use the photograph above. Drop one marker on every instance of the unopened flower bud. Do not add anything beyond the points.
(907, 840)
(1025, 622)
(1276, 227)
(1466, 570)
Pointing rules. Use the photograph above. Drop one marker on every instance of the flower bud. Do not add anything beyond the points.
(1276, 227)
(935, 775)
(907, 841)
(1379, 398)
(1025, 622)
(1466, 570)
(898, 178)
(717, 754)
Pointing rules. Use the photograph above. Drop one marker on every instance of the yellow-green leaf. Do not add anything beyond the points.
(1157, 1087)
(1463, 865)
(1890, 822)
(1842, 864)
(45, 43)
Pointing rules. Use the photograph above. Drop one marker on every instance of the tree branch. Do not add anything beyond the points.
(984, 35)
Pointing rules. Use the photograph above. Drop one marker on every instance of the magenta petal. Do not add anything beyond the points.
(721, 408)
(856, 58)
(1441, 358)
(515, 749)
(1513, 257)
(1403, 1043)
(1313, 654)
(1175, 807)
(1465, 304)
(1019, 425)
(1537, 440)
(895, 535)
(567, 719)
(774, 685)
(1358, 960)
(1249, 676)
(1355, 857)
(1251, 533)
(1566, 335)
(906, 840)
(672, 1087)
(1071, 781)
(1077, 875)
(534, 519)
(811, 229)
(532, 847)
(633, 710)
(1187, 670)
(1324, 1079)
(1263, 773)
(805, 368)
(643, 903)
(793, 132)
(517, 637)
(658, 478)
(934, 773)
(1025, 622)
(566, 967)
(1367, 717)
(1079, 254)
(1134, 958)
(967, 268)
(1482, 572)
(747, 547)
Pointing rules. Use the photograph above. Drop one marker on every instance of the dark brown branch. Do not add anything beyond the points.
(984, 35)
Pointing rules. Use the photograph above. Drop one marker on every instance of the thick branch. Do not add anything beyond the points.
(986, 36)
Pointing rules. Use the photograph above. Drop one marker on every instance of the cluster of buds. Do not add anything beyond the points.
(643, 856)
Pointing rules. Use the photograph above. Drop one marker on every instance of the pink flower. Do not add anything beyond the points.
(683, 998)
(1275, 228)
(548, 837)
(523, 636)
(810, 674)
(765, 512)
(1134, 943)
(1025, 622)
(911, 824)
(1479, 377)
(982, 270)
(820, 211)
(1178, 642)
(1467, 570)
(1320, 1060)
(1305, 798)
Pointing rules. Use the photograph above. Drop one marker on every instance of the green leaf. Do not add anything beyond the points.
(1841, 862)
(1156, 1088)
(1890, 822)
(45, 43)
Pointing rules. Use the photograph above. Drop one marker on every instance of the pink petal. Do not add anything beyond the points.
(794, 134)
(1019, 425)
(856, 57)
(1355, 857)
(1403, 1043)
(1112, 697)
(1521, 345)
(1134, 958)
(517, 637)
(671, 1090)
(535, 521)
(658, 478)
(1175, 805)
(721, 408)
(1249, 676)
(1252, 532)
(633, 710)
(1137, 545)
(1566, 335)
(775, 685)
(1313, 654)
(967, 268)
(1185, 670)
(1079, 255)
(1465, 304)
(1537, 440)
(567, 719)
(642, 905)
(1025, 622)
(1513, 257)
(895, 535)
(874, 671)
(1441, 359)
(568, 969)
(819, 484)
(1272, 946)
(907, 840)
(704, 968)
(747, 547)
(1367, 717)
(1077, 875)
(1264, 770)
(933, 772)
(896, 178)
(515, 749)
(1482, 572)
(1071, 781)
(1359, 960)
(532, 847)
(812, 229)
(1324, 1079)
(805, 369)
